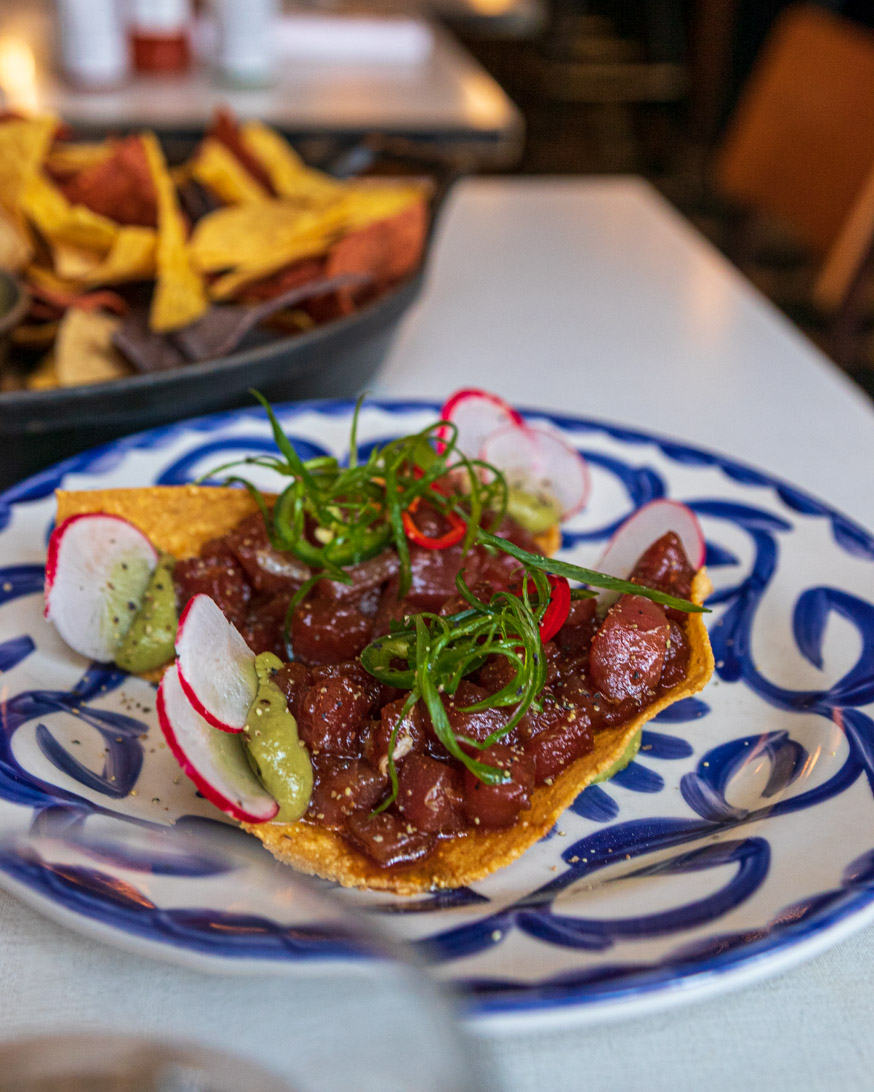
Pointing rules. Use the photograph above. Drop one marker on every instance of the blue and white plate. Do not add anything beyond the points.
(740, 840)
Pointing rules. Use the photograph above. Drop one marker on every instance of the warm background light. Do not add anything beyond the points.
(18, 75)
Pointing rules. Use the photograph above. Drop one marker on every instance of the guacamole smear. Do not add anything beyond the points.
(278, 757)
(148, 642)
(628, 755)
(535, 512)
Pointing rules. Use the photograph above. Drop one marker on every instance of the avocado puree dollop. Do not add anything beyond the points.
(278, 757)
(148, 642)
(622, 761)
(536, 512)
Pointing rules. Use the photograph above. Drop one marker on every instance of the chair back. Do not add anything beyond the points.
(800, 145)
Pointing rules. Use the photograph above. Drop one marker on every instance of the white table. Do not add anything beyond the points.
(446, 97)
(591, 297)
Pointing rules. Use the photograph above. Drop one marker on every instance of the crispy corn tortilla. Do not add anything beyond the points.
(180, 520)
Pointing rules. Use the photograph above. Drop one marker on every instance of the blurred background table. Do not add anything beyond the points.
(444, 98)
(595, 298)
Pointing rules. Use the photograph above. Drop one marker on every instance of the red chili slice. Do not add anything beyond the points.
(558, 608)
(456, 532)
(555, 615)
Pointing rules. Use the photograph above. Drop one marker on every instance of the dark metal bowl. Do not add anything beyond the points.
(336, 359)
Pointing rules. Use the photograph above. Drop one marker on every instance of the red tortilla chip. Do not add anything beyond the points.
(292, 276)
(387, 251)
(119, 188)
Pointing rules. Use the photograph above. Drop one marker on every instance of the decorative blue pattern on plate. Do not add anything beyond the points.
(738, 840)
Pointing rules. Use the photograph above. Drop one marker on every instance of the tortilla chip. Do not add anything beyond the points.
(369, 200)
(179, 297)
(267, 234)
(59, 222)
(290, 276)
(181, 520)
(119, 186)
(218, 168)
(83, 349)
(24, 143)
(176, 519)
(15, 248)
(34, 335)
(288, 174)
(72, 263)
(43, 277)
(130, 258)
(68, 158)
(386, 251)
(226, 131)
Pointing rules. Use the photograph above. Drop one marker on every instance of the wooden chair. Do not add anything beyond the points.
(799, 149)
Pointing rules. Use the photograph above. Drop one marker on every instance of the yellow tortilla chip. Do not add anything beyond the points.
(60, 222)
(264, 235)
(24, 143)
(84, 352)
(367, 202)
(35, 335)
(130, 258)
(179, 297)
(73, 263)
(288, 174)
(219, 169)
(15, 248)
(87, 248)
(176, 519)
(43, 277)
(181, 520)
(70, 157)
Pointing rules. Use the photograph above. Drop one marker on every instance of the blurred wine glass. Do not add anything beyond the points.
(362, 1012)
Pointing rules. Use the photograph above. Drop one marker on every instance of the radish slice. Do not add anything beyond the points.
(97, 571)
(540, 462)
(216, 666)
(641, 530)
(215, 761)
(476, 414)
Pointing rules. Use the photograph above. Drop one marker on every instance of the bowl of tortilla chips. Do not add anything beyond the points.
(158, 289)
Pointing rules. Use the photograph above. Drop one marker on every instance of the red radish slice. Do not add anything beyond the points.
(97, 571)
(216, 666)
(542, 463)
(215, 761)
(476, 414)
(641, 530)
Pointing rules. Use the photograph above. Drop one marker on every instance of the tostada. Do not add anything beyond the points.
(380, 670)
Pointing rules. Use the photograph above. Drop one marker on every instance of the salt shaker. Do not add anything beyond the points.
(246, 41)
(93, 44)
